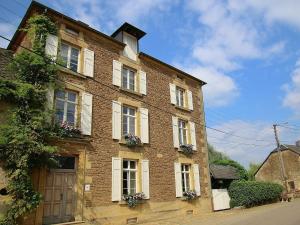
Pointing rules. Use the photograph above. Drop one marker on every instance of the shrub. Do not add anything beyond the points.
(252, 193)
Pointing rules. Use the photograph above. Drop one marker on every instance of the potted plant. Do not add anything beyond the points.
(189, 195)
(133, 199)
(132, 140)
(187, 149)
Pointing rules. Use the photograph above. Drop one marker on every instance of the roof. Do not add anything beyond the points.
(223, 172)
(130, 29)
(293, 148)
(5, 59)
(126, 26)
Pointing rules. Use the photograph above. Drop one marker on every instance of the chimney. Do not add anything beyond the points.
(298, 143)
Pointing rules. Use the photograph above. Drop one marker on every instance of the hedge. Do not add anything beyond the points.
(252, 193)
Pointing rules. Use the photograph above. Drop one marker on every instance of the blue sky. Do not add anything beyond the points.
(247, 51)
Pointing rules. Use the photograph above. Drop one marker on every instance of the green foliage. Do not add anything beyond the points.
(253, 167)
(214, 155)
(228, 162)
(252, 193)
(23, 140)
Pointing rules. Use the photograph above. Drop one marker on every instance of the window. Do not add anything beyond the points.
(180, 97)
(65, 106)
(70, 56)
(185, 174)
(128, 78)
(72, 31)
(182, 132)
(129, 177)
(129, 120)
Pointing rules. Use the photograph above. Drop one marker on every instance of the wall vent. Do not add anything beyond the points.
(132, 220)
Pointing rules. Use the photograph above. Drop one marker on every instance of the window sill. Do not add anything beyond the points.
(65, 70)
(182, 108)
(122, 202)
(131, 92)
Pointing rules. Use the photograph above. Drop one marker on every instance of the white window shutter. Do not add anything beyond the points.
(190, 100)
(50, 98)
(144, 125)
(117, 73)
(86, 113)
(175, 131)
(143, 83)
(88, 62)
(116, 120)
(116, 186)
(178, 179)
(130, 50)
(193, 135)
(197, 179)
(145, 178)
(51, 45)
(173, 93)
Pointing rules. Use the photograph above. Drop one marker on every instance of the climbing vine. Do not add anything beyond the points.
(23, 139)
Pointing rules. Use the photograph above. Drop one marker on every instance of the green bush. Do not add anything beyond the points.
(252, 193)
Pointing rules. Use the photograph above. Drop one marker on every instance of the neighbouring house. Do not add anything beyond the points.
(221, 178)
(142, 129)
(270, 169)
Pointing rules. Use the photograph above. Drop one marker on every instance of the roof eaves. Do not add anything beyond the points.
(46, 8)
(142, 54)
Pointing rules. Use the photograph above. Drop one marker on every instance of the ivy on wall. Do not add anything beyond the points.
(23, 139)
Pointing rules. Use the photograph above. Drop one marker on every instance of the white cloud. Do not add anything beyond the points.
(220, 89)
(255, 141)
(292, 91)
(6, 30)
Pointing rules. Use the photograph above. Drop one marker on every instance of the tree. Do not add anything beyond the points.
(23, 140)
(253, 167)
(214, 155)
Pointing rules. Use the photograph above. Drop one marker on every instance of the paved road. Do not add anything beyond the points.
(287, 213)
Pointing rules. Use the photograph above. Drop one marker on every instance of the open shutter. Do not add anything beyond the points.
(51, 45)
(50, 98)
(88, 63)
(193, 135)
(173, 93)
(144, 125)
(178, 179)
(190, 100)
(117, 71)
(145, 178)
(116, 179)
(116, 120)
(143, 83)
(86, 113)
(196, 179)
(175, 131)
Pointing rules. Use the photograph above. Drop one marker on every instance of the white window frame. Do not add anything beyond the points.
(128, 170)
(186, 177)
(128, 120)
(180, 97)
(70, 47)
(182, 128)
(128, 70)
(66, 101)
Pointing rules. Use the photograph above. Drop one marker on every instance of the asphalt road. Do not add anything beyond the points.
(287, 213)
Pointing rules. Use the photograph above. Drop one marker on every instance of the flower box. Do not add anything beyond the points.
(187, 149)
(66, 130)
(189, 195)
(132, 140)
(134, 199)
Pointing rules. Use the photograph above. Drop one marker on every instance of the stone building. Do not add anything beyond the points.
(270, 170)
(117, 95)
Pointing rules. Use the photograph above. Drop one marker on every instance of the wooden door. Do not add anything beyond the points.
(59, 197)
(221, 199)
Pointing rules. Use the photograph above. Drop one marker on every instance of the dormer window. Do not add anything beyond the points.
(72, 31)
(130, 50)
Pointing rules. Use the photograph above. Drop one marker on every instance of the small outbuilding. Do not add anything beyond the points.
(221, 178)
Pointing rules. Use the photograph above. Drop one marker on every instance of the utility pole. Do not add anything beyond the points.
(282, 167)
